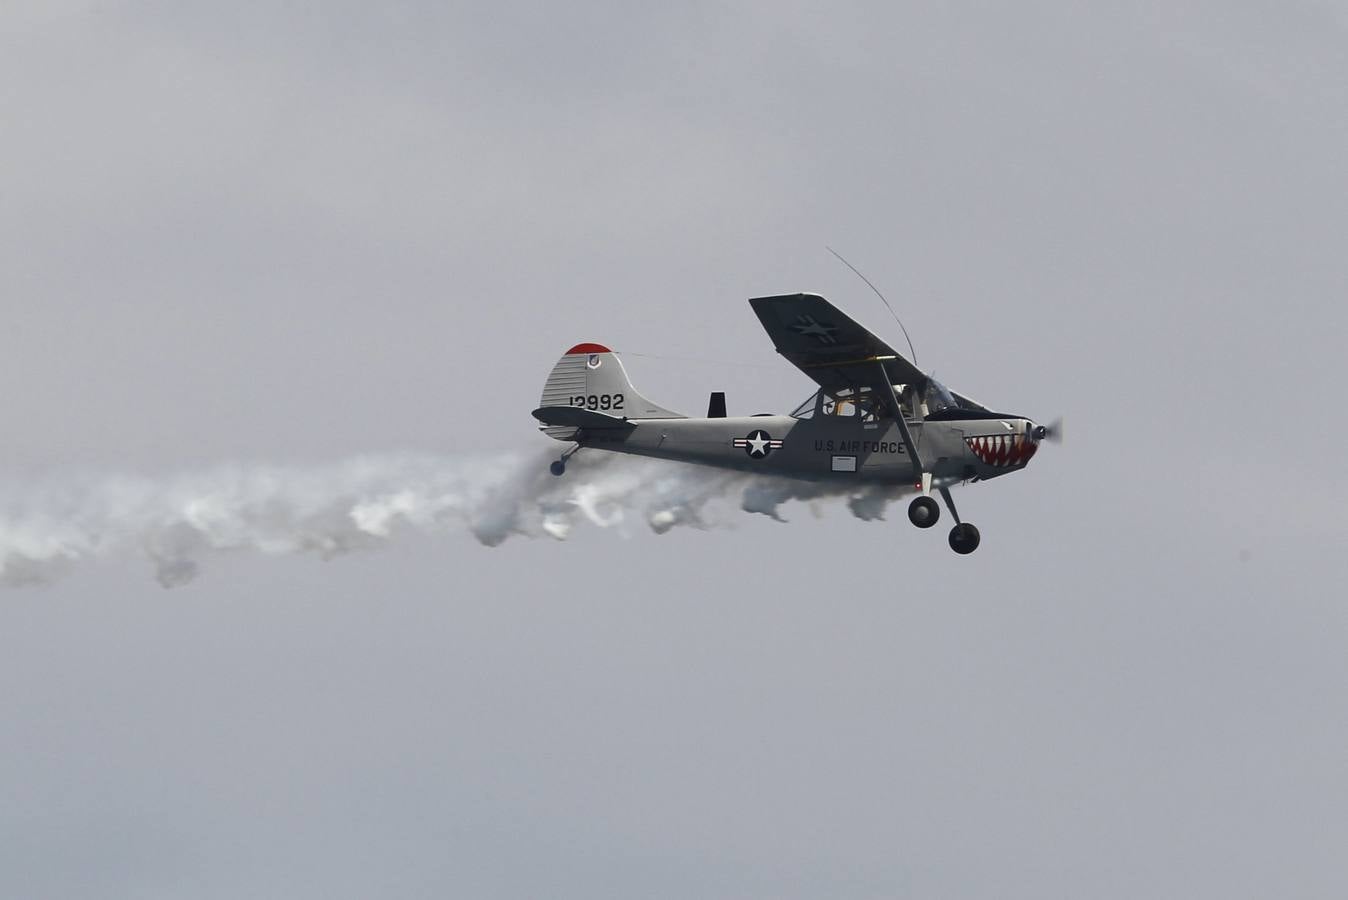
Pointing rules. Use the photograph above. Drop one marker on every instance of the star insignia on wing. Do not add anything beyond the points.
(807, 325)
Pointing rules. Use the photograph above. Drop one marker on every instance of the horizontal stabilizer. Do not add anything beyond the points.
(578, 417)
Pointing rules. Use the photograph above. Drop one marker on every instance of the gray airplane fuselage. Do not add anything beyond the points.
(829, 447)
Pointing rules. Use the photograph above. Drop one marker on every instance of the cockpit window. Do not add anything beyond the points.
(938, 399)
(845, 403)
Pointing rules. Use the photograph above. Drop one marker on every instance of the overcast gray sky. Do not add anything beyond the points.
(239, 233)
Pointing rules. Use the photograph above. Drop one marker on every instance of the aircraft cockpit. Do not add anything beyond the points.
(938, 402)
(845, 403)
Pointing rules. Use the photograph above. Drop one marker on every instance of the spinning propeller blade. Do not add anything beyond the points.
(1052, 432)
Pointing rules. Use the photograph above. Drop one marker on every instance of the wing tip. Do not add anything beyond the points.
(799, 295)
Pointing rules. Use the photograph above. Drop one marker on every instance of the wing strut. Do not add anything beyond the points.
(891, 398)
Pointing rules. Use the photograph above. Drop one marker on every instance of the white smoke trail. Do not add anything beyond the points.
(50, 526)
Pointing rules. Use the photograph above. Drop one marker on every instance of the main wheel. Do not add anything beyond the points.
(964, 538)
(923, 512)
(558, 467)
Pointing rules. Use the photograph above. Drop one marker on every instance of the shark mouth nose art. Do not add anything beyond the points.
(1002, 449)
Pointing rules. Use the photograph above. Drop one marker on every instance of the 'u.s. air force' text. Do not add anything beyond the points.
(859, 446)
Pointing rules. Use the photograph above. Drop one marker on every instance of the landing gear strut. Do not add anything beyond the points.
(923, 512)
(964, 536)
(558, 466)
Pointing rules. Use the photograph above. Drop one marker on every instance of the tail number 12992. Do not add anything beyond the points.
(598, 401)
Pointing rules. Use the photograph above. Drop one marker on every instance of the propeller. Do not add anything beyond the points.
(1052, 432)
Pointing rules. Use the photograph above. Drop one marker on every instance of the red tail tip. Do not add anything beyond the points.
(588, 348)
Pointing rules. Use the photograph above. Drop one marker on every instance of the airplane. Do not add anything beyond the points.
(875, 419)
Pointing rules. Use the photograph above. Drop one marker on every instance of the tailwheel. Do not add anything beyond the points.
(964, 538)
(558, 466)
(923, 512)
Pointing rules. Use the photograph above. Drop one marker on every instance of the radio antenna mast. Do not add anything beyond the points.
(881, 296)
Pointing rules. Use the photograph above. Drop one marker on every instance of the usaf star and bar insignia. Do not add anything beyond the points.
(806, 326)
(758, 444)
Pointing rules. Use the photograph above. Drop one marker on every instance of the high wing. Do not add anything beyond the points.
(827, 345)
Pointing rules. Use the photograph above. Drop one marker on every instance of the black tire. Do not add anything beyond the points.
(923, 512)
(557, 468)
(964, 539)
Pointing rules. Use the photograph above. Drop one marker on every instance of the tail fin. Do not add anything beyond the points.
(591, 376)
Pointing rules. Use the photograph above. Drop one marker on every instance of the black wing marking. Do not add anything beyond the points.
(829, 346)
